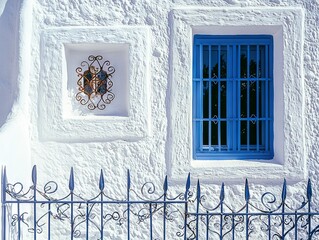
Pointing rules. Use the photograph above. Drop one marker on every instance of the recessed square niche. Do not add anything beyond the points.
(104, 93)
(126, 115)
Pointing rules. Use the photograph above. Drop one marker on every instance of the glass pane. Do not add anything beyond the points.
(196, 64)
(223, 132)
(262, 61)
(252, 98)
(243, 62)
(214, 133)
(223, 62)
(205, 132)
(205, 61)
(214, 62)
(243, 99)
(252, 134)
(262, 132)
(261, 96)
(214, 98)
(243, 134)
(253, 61)
(205, 99)
(223, 99)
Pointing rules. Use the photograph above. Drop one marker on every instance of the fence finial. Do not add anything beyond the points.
(34, 175)
(101, 182)
(165, 186)
(309, 190)
(222, 193)
(128, 179)
(4, 184)
(71, 180)
(198, 190)
(247, 194)
(284, 191)
(188, 184)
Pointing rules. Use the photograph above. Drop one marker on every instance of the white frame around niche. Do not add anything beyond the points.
(55, 125)
(286, 25)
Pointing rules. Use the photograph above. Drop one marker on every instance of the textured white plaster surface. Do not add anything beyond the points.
(155, 138)
(286, 26)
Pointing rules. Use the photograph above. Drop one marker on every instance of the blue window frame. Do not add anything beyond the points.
(233, 97)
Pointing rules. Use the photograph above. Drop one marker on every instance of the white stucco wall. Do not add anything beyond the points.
(154, 139)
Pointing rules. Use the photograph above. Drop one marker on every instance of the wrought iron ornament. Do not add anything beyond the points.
(163, 213)
(94, 83)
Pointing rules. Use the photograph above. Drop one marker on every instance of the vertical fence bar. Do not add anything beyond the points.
(165, 187)
(3, 203)
(188, 183)
(101, 187)
(128, 203)
(151, 222)
(221, 199)
(247, 197)
(49, 219)
(87, 217)
(283, 198)
(19, 222)
(207, 225)
(71, 188)
(309, 196)
(34, 181)
(197, 208)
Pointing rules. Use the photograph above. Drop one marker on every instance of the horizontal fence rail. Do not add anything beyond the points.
(39, 213)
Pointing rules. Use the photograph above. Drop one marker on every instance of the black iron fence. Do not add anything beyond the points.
(39, 213)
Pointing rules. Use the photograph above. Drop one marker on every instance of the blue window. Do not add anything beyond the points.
(233, 97)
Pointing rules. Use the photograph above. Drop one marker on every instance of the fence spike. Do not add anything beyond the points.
(198, 190)
(128, 179)
(188, 185)
(71, 180)
(284, 190)
(309, 190)
(247, 194)
(4, 184)
(101, 182)
(34, 175)
(165, 186)
(222, 193)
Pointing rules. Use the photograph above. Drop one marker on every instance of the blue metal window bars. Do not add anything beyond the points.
(233, 97)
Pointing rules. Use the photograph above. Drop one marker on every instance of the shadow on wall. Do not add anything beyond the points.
(9, 22)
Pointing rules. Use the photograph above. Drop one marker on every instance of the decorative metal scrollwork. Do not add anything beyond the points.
(94, 83)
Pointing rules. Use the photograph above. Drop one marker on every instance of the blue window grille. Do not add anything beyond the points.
(233, 97)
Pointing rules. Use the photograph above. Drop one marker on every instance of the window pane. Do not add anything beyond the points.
(214, 62)
(205, 99)
(243, 99)
(262, 61)
(243, 61)
(196, 63)
(243, 134)
(223, 132)
(252, 134)
(223, 99)
(205, 133)
(214, 133)
(223, 62)
(252, 98)
(205, 61)
(253, 61)
(214, 99)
